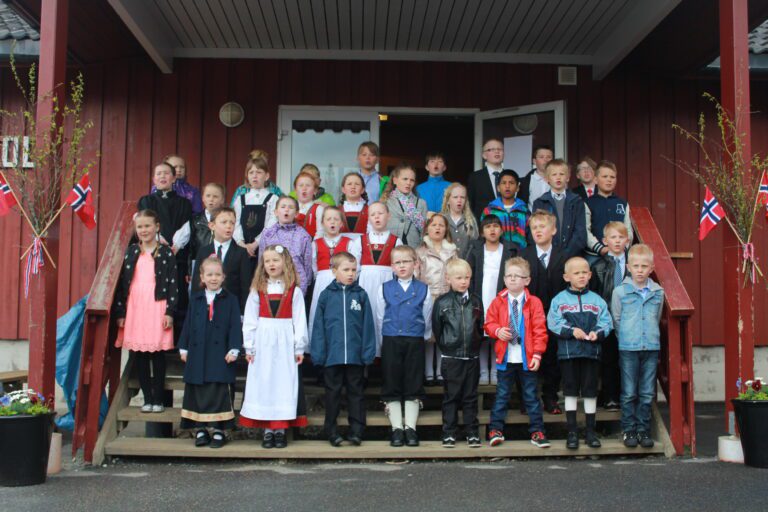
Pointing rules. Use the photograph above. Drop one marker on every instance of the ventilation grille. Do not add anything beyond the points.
(567, 75)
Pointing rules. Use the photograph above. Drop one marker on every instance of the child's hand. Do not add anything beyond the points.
(229, 358)
(163, 241)
(592, 336)
(188, 279)
(251, 248)
(183, 356)
(603, 251)
(579, 334)
(167, 322)
(174, 249)
(249, 358)
(121, 322)
(299, 358)
(504, 334)
(534, 366)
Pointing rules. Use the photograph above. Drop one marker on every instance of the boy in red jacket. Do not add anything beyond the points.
(516, 321)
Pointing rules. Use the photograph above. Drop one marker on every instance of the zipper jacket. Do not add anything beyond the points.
(458, 328)
(636, 317)
(586, 310)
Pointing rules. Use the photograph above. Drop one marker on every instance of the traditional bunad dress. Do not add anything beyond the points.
(355, 218)
(309, 217)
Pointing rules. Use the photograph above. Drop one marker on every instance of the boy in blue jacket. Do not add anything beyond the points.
(580, 319)
(344, 342)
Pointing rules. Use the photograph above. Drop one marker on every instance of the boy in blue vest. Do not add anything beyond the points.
(343, 345)
(404, 321)
(433, 190)
(604, 207)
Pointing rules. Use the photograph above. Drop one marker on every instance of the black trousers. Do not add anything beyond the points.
(549, 374)
(337, 377)
(153, 386)
(402, 368)
(460, 378)
(609, 370)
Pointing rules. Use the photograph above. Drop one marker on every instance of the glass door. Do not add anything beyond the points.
(521, 129)
(327, 137)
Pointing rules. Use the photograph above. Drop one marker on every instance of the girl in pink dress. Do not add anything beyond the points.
(146, 297)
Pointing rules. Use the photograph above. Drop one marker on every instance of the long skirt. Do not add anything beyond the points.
(207, 405)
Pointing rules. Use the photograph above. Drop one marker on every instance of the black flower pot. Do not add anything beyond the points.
(752, 419)
(24, 444)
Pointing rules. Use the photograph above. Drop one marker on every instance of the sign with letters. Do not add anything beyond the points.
(10, 152)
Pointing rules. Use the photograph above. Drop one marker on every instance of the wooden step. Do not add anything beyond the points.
(251, 449)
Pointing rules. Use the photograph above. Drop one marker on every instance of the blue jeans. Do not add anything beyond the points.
(638, 388)
(529, 383)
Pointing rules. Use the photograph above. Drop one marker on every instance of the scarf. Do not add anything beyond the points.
(408, 203)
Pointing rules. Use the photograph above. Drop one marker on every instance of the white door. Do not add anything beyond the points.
(325, 136)
(521, 129)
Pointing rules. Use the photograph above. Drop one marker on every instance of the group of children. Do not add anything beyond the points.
(398, 271)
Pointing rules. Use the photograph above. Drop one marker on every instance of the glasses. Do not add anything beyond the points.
(515, 276)
(493, 150)
(400, 263)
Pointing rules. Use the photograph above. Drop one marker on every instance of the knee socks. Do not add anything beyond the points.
(590, 409)
(394, 412)
(411, 413)
(571, 403)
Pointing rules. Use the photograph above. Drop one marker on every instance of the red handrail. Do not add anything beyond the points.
(100, 360)
(676, 366)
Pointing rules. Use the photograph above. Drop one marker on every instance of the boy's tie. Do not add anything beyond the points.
(618, 275)
(495, 183)
(218, 252)
(543, 260)
(514, 321)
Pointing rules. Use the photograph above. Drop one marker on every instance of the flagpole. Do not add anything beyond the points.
(18, 203)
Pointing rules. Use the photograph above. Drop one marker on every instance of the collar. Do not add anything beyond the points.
(406, 282)
(360, 202)
(374, 234)
(166, 193)
(645, 286)
(368, 176)
(491, 170)
(446, 246)
(576, 292)
(620, 258)
(520, 297)
(536, 176)
(224, 245)
(287, 227)
(436, 178)
(558, 196)
(540, 251)
(209, 294)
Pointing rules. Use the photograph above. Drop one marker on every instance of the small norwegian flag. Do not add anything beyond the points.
(7, 199)
(762, 191)
(711, 214)
(81, 200)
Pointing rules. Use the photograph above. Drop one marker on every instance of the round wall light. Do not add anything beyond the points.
(231, 114)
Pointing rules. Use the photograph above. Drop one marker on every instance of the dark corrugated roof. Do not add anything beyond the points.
(12, 26)
(758, 39)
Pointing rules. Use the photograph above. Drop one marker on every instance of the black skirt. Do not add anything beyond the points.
(207, 405)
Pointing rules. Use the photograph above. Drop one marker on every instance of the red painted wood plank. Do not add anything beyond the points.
(636, 172)
(214, 158)
(662, 176)
(589, 118)
(239, 145)
(615, 126)
(165, 117)
(190, 126)
(138, 158)
(266, 96)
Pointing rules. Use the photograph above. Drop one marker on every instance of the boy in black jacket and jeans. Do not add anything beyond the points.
(457, 323)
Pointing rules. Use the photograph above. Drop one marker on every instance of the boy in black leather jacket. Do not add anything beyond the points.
(457, 324)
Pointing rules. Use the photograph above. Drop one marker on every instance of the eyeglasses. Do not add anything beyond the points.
(400, 263)
(515, 276)
(493, 150)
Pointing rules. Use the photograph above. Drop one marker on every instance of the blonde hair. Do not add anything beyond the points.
(218, 186)
(340, 257)
(448, 236)
(290, 276)
(391, 183)
(259, 162)
(558, 162)
(210, 260)
(616, 226)
(518, 262)
(640, 251)
(404, 249)
(469, 219)
(573, 261)
(544, 215)
(456, 265)
(259, 153)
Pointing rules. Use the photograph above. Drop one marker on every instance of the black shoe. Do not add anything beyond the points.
(280, 441)
(411, 438)
(592, 440)
(355, 439)
(630, 439)
(218, 439)
(430, 383)
(473, 440)
(572, 442)
(439, 381)
(612, 405)
(202, 438)
(335, 440)
(398, 438)
(645, 439)
(449, 441)
(268, 441)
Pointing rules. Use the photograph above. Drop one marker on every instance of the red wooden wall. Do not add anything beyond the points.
(139, 115)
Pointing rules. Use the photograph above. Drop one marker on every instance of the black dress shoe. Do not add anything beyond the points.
(280, 441)
(218, 439)
(411, 438)
(202, 438)
(355, 439)
(572, 442)
(335, 440)
(268, 441)
(592, 440)
(398, 438)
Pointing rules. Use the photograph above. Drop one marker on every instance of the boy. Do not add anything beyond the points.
(512, 212)
(201, 235)
(639, 300)
(367, 158)
(534, 184)
(457, 322)
(486, 258)
(585, 173)
(568, 208)
(404, 311)
(580, 319)
(516, 321)
(481, 185)
(343, 343)
(547, 264)
(608, 273)
(181, 186)
(433, 189)
(604, 207)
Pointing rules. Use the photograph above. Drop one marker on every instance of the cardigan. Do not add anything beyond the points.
(166, 287)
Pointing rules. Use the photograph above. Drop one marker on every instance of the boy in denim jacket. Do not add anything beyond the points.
(636, 306)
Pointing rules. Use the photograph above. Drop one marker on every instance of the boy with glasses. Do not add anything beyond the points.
(481, 185)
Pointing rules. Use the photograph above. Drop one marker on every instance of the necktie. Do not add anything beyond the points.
(618, 275)
(464, 300)
(543, 260)
(589, 192)
(495, 183)
(514, 322)
(218, 252)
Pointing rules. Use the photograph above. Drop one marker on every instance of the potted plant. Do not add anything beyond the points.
(751, 408)
(26, 425)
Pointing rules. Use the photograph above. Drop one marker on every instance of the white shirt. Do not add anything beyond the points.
(224, 248)
(491, 170)
(515, 352)
(381, 306)
(538, 187)
(353, 247)
(547, 251)
(381, 238)
(349, 206)
(491, 269)
(255, 196)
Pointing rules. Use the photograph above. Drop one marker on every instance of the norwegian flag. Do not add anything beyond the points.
(81, 200)
(7, 199)
(711, 214)
(762, 191)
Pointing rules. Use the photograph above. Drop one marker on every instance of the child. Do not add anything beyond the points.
(512, 212)
(636, 308)
(180, 184)
(235, 260)
(293, 237)
(580, 319)
(571, 235)
(585, 172)
(201, 234)
(434, 253)
(457, 323)
(461, 222)
(209, 345)
(408, 212)
(323, 250)
(145, 301)
(404, 309)
(310, 211)
(274, 337)
(608, 272)
(254, 210)
(547, 264)
(354, 205)
(604, 207)
(517, 323)
(320, 193)
(486, 258)
(243, 189)
(433, 189)
(367, 158)
(534, 185)
(343, 343)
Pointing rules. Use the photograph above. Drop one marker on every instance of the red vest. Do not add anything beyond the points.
(286, 304)
(385, 248)
(361, 226)
(324, 252)
(309, 220)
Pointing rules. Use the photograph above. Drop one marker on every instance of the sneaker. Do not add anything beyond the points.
(630, 439)
(146, 408)
(592, 440)
(540, 440)
(572, 442)
(645, 439)
(449, 442)
(612, 405)
(411, 438)
(473, 441)
(495, 438)
(398, 438)
(158, 408)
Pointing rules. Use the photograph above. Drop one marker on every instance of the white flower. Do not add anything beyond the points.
(279, 249)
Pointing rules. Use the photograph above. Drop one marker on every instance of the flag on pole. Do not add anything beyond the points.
(7, 199)
(762, 192)
(81, 201)
(711, 214)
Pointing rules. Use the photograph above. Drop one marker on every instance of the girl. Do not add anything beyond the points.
(354, 204)
(320, 194)
(243, 189)
(209, 345)
(293, 237)
(461, 223)
(408, 211)
(275, 338)
(254, 210)
(310, 211)
(174, 212)
(145, 301)
(323, 248)
(433, 254)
